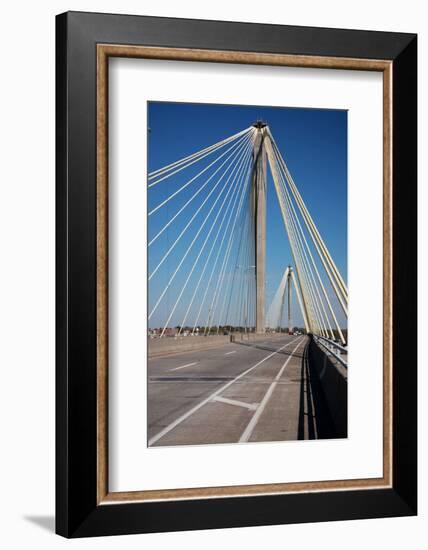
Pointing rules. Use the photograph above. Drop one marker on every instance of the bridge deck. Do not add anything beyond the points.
(236, 393)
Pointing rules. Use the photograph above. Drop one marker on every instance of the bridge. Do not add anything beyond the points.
(224, 366)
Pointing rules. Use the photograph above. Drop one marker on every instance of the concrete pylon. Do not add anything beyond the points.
(258, 203)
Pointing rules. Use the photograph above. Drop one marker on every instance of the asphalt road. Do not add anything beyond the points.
(232, 393)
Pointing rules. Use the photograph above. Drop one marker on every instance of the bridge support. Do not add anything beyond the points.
(290, 328)
(258, 199)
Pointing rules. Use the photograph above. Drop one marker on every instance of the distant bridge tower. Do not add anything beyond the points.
(287, 288)
(276, 309)
(258, 204)
(290, 323)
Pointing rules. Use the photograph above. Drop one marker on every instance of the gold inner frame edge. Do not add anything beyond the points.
(104, 52)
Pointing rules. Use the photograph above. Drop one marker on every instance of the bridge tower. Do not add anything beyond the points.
(286, 283)
(258, 205)
(290, 323)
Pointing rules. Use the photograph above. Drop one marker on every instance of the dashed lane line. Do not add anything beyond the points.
(184, 366)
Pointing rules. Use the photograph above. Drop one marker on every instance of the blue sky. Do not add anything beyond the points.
(313, 143)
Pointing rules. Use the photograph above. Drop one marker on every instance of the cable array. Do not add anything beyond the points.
(210, 248)
(306, 243)
(202, 258)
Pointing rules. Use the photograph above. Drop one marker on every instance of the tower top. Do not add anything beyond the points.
(259, 124)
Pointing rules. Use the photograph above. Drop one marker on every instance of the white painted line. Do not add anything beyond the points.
(250, 406)
(184, 366)
(186, 415)
(253, 422)
(229, 352)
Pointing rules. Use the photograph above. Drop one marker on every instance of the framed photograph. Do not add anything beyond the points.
(236, 274)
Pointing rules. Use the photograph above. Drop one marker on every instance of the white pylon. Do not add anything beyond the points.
(275, 312)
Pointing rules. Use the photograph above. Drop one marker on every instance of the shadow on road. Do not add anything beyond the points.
(313, 410)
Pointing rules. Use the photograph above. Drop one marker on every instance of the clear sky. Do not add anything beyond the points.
(313, 142)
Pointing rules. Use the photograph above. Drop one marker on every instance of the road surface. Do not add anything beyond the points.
(260, 391)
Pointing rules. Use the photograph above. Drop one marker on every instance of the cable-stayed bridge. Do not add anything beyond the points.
(207, 278)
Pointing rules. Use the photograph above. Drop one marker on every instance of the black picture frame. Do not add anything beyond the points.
(78, 513)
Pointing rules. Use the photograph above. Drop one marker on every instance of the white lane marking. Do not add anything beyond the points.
(186, 415)
(229, 352)
(184, 366)
(250, 406)
(252, 424)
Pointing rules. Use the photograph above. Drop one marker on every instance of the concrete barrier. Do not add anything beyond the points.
(332, 378)
(166, 346)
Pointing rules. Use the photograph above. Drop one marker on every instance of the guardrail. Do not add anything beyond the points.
(330, 346)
